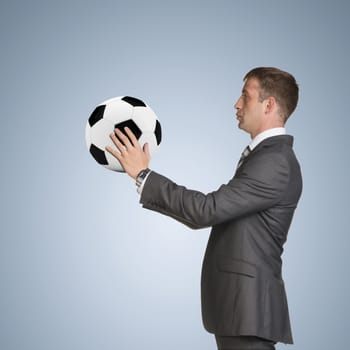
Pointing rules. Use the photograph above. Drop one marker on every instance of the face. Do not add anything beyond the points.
(250, 110)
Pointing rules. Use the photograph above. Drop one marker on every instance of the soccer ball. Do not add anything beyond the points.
(119, 112)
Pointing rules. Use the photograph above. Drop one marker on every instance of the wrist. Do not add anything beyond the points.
(141, 176)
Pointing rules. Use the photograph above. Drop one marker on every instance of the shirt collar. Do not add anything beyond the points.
(264, 135)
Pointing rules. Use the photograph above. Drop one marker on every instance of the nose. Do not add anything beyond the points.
(237, 105)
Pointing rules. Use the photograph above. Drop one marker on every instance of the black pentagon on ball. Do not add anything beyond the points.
(96, 115)
(158, 132)
(135, 102)
(98, 154)
(131, 125)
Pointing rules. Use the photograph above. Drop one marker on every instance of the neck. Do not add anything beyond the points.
(259, 131)
(268, 126)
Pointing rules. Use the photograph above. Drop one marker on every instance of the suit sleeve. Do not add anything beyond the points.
(259, 185)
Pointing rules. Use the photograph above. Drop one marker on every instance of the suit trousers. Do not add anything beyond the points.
(243, 343)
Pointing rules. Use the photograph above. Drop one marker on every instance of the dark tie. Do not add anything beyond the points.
(244, 155)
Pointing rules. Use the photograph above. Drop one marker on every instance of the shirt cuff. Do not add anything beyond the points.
(140, 188)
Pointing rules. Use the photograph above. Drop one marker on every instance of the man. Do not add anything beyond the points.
(243, 297)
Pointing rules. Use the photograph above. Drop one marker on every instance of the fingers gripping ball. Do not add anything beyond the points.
(121, 112)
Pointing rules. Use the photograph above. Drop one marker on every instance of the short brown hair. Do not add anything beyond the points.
(279, 84)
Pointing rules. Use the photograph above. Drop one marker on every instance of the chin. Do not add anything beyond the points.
(241, 126)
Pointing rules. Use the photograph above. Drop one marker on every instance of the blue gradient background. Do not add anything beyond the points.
(82, 265)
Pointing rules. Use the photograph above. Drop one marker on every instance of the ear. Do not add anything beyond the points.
(270, 104)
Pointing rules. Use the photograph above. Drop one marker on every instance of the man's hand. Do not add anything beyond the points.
(132, 157)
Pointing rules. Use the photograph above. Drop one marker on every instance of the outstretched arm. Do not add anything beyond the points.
(245, 194)
(259, 186)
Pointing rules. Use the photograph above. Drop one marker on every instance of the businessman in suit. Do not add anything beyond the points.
(242, 291)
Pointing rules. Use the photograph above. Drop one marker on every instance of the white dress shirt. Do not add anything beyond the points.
(264, 135)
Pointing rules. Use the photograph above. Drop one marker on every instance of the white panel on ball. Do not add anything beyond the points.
(100, 132)
(118, 110)
(113, 163)
(145, 118)
(149, 137)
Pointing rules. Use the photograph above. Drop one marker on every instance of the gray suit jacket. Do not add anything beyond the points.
(242, 289)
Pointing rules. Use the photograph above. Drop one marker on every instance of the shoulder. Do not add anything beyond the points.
(274, 151)
(267, 165)
(269, 157)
